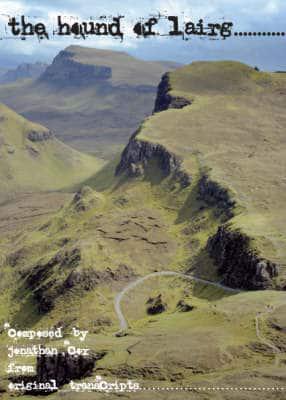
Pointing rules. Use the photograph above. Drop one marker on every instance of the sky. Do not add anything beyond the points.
(247, 15)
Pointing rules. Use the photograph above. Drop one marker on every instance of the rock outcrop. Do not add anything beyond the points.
(88, 279)
(45, 289)
(182, 306)
(65, 70)
(165, 100)
(138, 153)
(156, 305)
(65, 265)
(23, 71)
(84, 199)
(61, 369)
(64, 367)
(215, 196)
(37, 136)
(238, 264)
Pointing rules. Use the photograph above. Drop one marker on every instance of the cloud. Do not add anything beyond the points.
(254, 15)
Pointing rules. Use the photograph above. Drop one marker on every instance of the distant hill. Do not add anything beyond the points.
(23, 71)
(93, 99)
(2, 72)
(31, 158)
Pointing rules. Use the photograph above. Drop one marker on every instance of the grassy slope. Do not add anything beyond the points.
(152, 224)
(135, 211)
(28, 166)
(236, 129)
(90, 118)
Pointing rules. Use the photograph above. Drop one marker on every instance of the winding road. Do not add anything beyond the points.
(117, 303)
(124, 324)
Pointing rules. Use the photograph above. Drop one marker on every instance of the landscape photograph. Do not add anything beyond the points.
(142, 200)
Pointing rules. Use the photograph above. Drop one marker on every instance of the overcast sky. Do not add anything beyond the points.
(247, 15)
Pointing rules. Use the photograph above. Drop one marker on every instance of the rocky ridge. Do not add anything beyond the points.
(165, 100)
(66, 71)
(138, 153)
(237, 263)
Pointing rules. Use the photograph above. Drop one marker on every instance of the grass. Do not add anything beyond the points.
(152, 209)
(151, 224)
(236, 127)
(37, 166)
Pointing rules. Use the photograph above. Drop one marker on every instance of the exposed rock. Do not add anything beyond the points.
(65, 70)
(45, 289)
(61, 368)
(37, 136)
(184, 307)
(156, 305)
(183, 178)
(10, 149)
(88, 279)
(138, 153)
(83, 200)
(32, 151)
(64, 367)
(260, 348)
(65, 266)
(121, 334)
(23, 71)
(102, 321)
(164, 100)
(240, 265)
(216, 196)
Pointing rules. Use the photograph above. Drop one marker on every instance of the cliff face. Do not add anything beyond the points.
(138, 153)
(216, 196)
(35, 136)
(164, 100)
(238, 264)
(66, 71)
(64, 367)
(23, 71)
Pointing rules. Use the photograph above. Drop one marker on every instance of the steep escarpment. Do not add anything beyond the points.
(238, 263)
(181, 140)
(215, 195)
(165, 100)
(23, 71)
(65, 71)
(138, 153)
(62, 273)
(93, 99)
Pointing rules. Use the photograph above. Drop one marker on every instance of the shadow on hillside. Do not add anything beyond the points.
(190, 207)
(28, 314)
(203, 267)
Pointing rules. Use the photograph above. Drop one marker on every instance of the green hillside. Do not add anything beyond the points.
(202, 178)
(235, 129)
(32, 159)
(70, 268)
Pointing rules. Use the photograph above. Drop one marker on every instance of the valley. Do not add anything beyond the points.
(171, 253)
(91, 99)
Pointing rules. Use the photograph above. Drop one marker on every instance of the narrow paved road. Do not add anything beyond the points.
(124, 324)
(117, 303)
